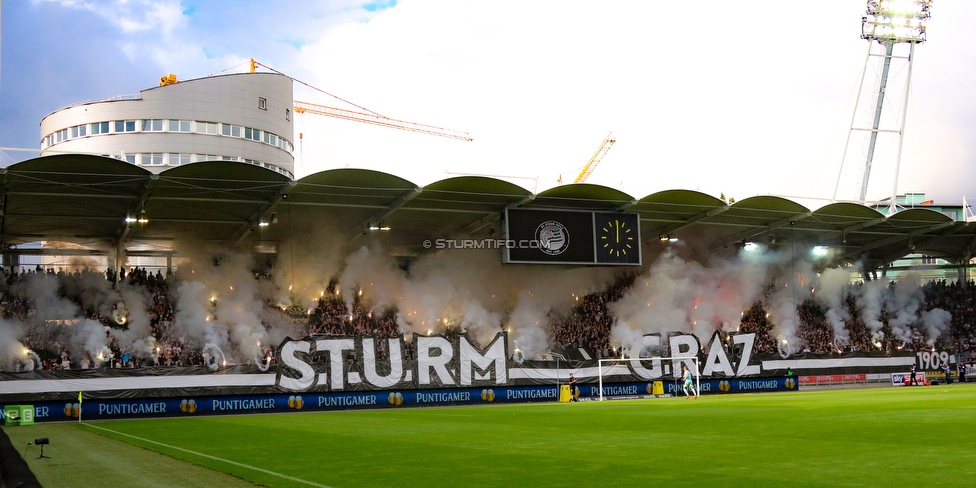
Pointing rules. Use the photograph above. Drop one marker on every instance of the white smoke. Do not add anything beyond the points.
(833, 290)
(470, 289)
(687, 296)
(11, 349)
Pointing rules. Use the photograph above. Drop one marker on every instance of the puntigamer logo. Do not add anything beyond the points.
(553, 237)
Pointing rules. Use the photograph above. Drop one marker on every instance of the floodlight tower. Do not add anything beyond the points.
(887, 24)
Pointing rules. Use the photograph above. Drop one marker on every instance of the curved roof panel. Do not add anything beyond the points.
(75, 197)
(354, 178)
(208, 200)
(683, 197)
(770, 203)
(342, 188)
(668, 211)
(472, 193)
(918, 217)
(845, 212)
(582, 196)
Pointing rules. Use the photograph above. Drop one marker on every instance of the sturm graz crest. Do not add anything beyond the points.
(553, 237)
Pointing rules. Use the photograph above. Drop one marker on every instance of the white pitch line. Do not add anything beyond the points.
(215, 458)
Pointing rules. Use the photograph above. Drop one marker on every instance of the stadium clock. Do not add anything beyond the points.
(617, 238)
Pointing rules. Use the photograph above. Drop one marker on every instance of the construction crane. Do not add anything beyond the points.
(305, 107)
(595, 160)
(367, 118)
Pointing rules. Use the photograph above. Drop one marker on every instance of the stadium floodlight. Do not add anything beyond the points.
(896, 20)
(888, 23)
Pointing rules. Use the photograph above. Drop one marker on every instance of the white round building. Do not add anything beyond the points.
(238, 117)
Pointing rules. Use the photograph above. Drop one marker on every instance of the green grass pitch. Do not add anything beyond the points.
(923, 436)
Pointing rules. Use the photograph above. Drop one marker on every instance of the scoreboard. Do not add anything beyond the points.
(571, 237)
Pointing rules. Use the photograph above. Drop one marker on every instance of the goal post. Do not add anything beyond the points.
(675, 362)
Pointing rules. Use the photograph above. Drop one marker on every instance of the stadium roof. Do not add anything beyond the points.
(86, 200)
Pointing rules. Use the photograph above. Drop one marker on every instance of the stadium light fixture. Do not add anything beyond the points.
(820, 251)
(896, 20)
(751, 246)
(142, 218)
(263, 224)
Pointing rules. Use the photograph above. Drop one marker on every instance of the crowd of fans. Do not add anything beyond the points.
(587, 324)
(49, 338)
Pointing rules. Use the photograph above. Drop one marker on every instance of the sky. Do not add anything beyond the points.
(733, 98)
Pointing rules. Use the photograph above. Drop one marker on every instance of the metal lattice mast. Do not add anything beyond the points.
(889, 23)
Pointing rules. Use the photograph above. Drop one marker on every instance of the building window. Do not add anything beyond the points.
(262, 103)
(235, 131)
(130, 158)
(252, 134)
(929, 260)
(179, 125)
(99, 128)
(207, 127)
(155, 159)
(225, 129)
(82, 129)
(125, 126)
(152, 125)
(74, 132)
(288, 114)
(177, 159)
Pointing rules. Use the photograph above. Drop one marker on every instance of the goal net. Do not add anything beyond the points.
(669, 368)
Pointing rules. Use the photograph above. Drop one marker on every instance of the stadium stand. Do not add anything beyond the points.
(587, 325)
